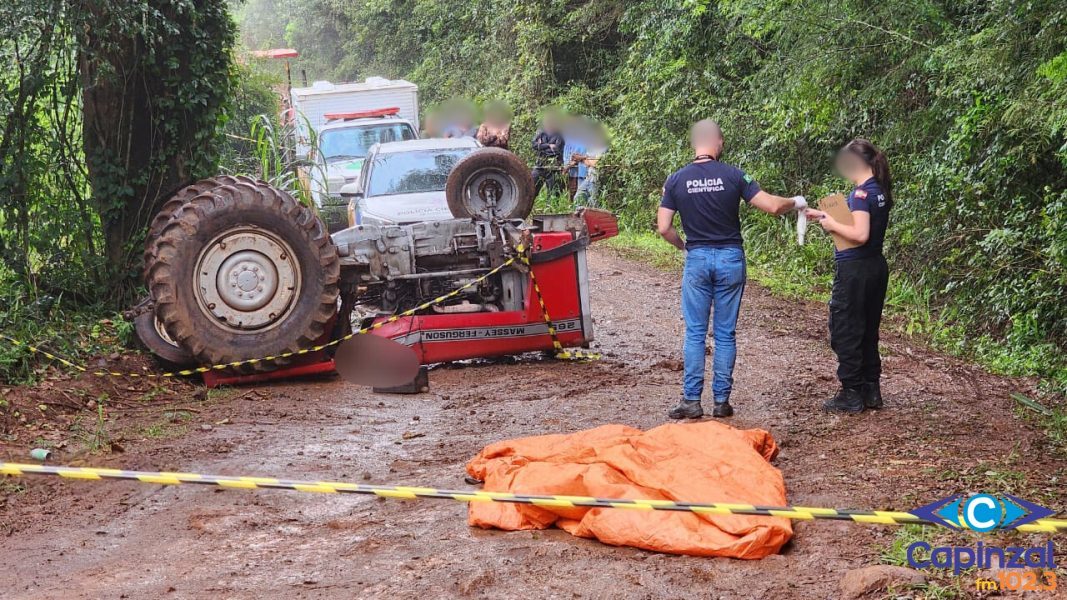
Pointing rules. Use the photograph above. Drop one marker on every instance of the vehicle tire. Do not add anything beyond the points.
(280, 265)
(154, 338)
(183, 195)
(490, 183)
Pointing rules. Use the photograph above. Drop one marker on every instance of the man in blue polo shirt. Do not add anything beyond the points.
(707, 194)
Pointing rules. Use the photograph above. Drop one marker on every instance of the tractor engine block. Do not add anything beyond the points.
(398, 267)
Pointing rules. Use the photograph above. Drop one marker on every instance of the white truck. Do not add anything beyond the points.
(347, 120)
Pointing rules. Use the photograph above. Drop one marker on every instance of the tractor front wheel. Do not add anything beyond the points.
(154, 338)
(488, 184)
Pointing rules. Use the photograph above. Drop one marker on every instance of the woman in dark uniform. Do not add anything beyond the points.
(860, 278)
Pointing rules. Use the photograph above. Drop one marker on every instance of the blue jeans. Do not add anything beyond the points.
(714, 279)
(587, 190)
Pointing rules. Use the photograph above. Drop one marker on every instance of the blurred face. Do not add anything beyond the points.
(458, 112)
(570, 127)
(706, 136)
(849, 165)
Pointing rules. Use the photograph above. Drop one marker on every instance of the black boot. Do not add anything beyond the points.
(722, 410)
(872, 395)
(847, 400)
(686, 410)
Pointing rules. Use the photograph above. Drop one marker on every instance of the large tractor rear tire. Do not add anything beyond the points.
(176, 201)
(244, 272)
(490, 183)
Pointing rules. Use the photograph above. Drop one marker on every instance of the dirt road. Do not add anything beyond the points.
(948, 427)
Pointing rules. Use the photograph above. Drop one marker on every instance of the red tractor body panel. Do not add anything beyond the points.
(447, 337)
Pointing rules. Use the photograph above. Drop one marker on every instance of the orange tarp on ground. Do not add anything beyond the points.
(693, 462)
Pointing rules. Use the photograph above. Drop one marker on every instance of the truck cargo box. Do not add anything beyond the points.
(313, 103)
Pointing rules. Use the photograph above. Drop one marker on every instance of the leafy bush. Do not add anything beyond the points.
(59, 324)
(108, 108)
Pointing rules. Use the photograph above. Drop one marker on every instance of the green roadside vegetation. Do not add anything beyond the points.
(55, 323)
(910, 308)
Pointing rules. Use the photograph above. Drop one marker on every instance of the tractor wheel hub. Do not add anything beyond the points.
(247, 279)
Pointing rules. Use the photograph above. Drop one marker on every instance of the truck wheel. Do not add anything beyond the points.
(242, 272)
(175, 202)
(490, 183)
(155, 339)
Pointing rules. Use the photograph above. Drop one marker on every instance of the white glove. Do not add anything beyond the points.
(799, 203)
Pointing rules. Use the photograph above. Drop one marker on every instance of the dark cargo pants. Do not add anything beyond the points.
(855, 315)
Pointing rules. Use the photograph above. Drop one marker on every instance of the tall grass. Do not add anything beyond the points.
(274, 151)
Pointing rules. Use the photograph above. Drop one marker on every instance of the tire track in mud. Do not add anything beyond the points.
(78, 540)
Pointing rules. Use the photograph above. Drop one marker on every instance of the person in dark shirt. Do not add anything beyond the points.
(548, 150)
(860, 278)
(707, 194)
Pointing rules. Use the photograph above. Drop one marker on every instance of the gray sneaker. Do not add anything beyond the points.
(686, 409)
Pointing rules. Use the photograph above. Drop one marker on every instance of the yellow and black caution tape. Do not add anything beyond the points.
(801, 513)
(198, 370)
(561, 352)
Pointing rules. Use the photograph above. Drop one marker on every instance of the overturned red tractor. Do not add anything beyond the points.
(241, 274)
